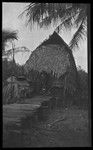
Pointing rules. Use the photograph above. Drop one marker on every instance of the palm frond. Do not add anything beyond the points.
(36, 12)
(7, 36)
(67, 23)
(82, 14)
(69, 14)
(46, 13)
(79, 34)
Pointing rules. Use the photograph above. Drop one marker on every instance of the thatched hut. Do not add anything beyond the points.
(54, 55)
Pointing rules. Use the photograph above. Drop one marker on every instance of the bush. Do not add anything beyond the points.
(81, 99)
(83, 76)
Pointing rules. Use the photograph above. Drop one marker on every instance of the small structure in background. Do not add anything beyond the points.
(12, 90)
(23, 86)
(16, 88)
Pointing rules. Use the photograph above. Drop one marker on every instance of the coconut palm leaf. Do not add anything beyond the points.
(7, 35)
(40, 12)
(79, 34)
(45, 14)
(82, 14)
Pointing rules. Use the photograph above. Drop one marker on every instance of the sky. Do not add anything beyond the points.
(32, 38)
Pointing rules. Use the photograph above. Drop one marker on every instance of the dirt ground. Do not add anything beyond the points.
(67, 127)
(64, 128)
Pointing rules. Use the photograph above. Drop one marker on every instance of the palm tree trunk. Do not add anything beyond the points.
(13, 56)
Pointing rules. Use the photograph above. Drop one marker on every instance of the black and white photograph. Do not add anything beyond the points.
(45, 75)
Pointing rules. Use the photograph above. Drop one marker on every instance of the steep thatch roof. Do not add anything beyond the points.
(54, 39)
(51, 55)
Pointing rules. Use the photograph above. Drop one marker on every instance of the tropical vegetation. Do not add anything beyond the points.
(61, 15)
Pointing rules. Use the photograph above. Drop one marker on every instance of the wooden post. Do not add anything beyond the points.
(13, 70)
(56, 103)
(36, 118)
(50, 107)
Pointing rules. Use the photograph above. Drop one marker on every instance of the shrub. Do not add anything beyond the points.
(83, 76)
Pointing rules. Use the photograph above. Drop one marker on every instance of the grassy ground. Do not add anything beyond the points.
(64, 127)
(21, 108)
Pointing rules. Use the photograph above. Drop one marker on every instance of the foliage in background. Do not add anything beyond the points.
(83, 76)
(42, 79)
(8, 68)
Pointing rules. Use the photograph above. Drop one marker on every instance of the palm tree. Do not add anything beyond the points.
(9, 36)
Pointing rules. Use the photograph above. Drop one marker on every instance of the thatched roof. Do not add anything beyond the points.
(54, 39)
(14, 90)
(51, 55)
